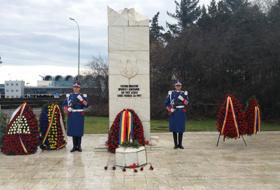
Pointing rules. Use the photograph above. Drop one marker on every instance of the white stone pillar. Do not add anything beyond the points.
(129, 64)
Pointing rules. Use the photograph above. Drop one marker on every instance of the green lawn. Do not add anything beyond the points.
(96, 125)
(99, 125)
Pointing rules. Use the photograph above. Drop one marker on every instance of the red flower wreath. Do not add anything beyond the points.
(22, 133)
(253, 117)
(113, 137)
(231, 121)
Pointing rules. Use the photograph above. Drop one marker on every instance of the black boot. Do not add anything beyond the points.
(74, 139)
(79, 148)
(175, 140)
(77, 143)
(180, 141)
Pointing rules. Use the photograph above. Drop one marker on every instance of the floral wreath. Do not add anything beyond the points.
(253, 116)
(114, 132)
(231, 120)
(52, 128)
(21, 135)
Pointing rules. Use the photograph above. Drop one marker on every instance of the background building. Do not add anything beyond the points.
(14, 89)
(56, 81)
(52, 87)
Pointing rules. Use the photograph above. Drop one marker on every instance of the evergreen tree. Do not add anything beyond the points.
(274, 13)
(212, 9)
(222, 8)
(204, 20)
(187, 13)
(155, 29)
(231, 47)
(235, 5)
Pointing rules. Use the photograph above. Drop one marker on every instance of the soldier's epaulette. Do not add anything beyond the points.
(170, 92)
(67, 95)
(85, 95)
(186, 93)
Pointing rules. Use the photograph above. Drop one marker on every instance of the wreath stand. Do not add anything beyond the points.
(114, 164)
(218, 141)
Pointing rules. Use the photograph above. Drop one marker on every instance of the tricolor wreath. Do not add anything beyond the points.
(126, 127)
(52, 128)
(21, 135)
(253, 116)
(231, 120)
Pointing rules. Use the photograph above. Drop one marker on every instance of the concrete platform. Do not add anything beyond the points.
(200, 166)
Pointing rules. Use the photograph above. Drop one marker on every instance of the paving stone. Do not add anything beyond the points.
(201, 166)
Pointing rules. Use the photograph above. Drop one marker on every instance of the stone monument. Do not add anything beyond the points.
(129, 65)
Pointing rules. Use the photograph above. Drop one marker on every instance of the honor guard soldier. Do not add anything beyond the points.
(74, 106)
(176, 103)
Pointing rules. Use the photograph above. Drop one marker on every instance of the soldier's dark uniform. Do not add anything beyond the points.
(175, 104)
(74, 104)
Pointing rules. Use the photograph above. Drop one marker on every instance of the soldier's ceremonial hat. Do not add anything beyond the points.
(77, 84)
(178, 83)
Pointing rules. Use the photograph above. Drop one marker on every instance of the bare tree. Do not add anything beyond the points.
(98, 66)
(96, 81)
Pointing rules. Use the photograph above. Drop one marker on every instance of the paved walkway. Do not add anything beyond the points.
(201, 166)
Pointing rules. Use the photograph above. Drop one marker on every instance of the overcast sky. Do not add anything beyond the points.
(37, 38)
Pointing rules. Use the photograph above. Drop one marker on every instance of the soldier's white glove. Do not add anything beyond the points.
(80, 98)
(170, 109)
(69, 109)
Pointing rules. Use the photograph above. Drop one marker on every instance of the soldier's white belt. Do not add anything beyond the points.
(180, 106)
(77, 110)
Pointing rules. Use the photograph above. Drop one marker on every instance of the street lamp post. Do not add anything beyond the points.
(72, 19)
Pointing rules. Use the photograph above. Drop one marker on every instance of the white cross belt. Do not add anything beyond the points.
(77, 110)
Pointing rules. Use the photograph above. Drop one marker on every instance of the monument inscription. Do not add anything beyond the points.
(129, 91)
